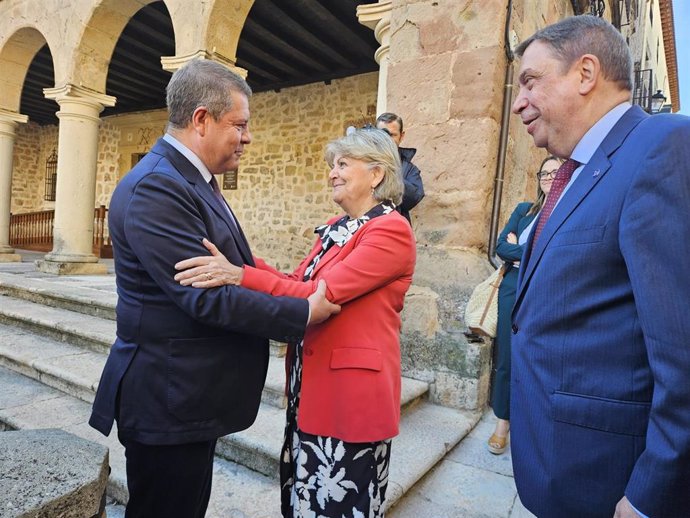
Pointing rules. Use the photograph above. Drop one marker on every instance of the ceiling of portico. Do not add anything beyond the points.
(282, 44)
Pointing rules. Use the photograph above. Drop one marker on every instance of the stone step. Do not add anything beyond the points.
(65, 294)
(92, 296)
(62, 325)
(26, 404)
(76, 371)
(427, 433)
(97, 334)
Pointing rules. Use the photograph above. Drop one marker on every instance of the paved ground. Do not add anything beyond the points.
(469, 483)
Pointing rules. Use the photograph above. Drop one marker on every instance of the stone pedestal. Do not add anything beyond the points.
(378, 18)
(10, 257)
(8, 123)
(51, 473)
(76, 181)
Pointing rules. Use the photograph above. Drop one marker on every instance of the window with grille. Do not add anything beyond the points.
(51, 176)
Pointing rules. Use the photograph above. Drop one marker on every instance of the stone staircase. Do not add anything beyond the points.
(55, 334)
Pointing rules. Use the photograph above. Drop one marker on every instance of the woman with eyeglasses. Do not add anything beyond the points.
(509, 247)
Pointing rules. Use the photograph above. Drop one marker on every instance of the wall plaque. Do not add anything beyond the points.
(230, 180)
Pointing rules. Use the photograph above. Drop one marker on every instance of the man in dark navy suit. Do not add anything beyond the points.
(600, 392)
(188, 365)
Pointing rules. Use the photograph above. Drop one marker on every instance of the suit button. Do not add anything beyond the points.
(514, 327)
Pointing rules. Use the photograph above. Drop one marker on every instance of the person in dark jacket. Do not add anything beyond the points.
(412, 178)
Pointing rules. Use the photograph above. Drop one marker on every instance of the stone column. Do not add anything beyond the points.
(8, 123)
(76, 181)
(446, 79)
(172, 63)
(378, 18)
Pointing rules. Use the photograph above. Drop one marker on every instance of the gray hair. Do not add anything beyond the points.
(202, 82)
(375, 148)
(575, 36)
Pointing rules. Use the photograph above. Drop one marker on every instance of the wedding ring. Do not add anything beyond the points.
(208, 276)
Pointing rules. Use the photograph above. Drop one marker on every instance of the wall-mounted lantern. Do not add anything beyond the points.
(658, 101)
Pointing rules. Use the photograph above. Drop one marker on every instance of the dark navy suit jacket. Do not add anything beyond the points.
(188, 364)
(601, 347)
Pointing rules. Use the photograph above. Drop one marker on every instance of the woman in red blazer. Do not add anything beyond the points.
(344, 376)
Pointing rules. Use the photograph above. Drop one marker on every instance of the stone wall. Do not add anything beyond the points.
(33, 145)
(446, 78)
(107, 173)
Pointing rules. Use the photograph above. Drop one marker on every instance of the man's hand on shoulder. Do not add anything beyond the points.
(320, 308)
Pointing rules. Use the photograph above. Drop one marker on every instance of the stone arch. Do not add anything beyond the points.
(213, 26)
(15, 57)
(94, 49)
(226, 20)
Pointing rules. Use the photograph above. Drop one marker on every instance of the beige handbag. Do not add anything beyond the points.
(481, 312)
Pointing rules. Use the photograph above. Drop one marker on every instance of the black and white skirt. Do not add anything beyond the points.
(324, 477)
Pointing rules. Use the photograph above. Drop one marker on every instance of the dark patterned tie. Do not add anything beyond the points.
(563, 176)
(216, 190)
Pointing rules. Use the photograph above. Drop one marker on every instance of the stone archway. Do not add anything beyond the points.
(210, 32)
(15, 56)
(79, 93)
(88, 66)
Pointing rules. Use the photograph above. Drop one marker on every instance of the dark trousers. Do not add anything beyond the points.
(168, 481)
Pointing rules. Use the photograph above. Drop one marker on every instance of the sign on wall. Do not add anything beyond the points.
(230, 180)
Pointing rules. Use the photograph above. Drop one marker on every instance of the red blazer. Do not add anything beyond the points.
(351, 362)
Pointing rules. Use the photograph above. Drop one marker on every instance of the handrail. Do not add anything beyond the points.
(34, 230)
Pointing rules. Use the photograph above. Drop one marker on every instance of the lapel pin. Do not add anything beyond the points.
(595, 173)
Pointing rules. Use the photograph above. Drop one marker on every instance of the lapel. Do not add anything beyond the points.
(589, 177)
(334, 251)
(205, 192)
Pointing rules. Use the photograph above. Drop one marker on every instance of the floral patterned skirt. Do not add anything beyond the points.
(324, 477)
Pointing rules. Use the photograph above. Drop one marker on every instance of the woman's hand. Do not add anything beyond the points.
(208, 271)
(512, 238)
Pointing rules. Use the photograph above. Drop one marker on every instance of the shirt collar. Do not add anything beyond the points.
(189, 155)
(591, 140)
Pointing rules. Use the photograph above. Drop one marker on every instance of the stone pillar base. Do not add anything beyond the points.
(10, 258)
(71, 268)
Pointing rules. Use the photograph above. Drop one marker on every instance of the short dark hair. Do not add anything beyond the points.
(202, 82)
(575, 36)
(389, 117)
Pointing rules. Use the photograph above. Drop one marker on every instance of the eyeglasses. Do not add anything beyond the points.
(547, 174)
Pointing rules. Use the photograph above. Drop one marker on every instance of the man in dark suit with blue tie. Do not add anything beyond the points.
(600, 407)
(188, 366)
